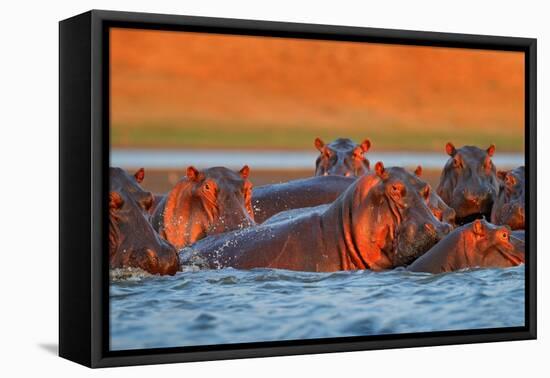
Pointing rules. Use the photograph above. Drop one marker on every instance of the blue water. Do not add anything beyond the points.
(234, 306)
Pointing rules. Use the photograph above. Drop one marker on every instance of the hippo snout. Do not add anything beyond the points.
(475, 198)
(164, 260)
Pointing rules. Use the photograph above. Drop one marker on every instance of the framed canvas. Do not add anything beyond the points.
(234, 188)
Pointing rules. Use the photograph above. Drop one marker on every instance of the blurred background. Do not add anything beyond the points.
(180, 99)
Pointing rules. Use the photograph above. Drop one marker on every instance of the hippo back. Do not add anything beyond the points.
(269, 200)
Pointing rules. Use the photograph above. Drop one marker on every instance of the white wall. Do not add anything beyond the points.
(29, 174)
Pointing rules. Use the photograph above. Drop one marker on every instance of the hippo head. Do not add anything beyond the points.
(132, 240)
(468, 182)
(417, 228)
(226, 197)
(509, 207)
(122, 181)
(342, 157)
(475, 244)
(393, 215)
(437, 206)
(490, 245)
(207, 202)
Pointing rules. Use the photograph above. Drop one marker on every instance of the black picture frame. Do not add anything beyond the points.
(83, 166)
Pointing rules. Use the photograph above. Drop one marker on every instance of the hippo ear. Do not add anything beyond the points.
(140, 175)
(478, 227)
(418, 171)
(115, 200)
(379, 169)
(365, 145)
(450, 149)
(192, 173)
(491, 150)
(319, 144)
(245, 171)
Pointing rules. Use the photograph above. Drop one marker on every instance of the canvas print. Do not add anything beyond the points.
(271, 189)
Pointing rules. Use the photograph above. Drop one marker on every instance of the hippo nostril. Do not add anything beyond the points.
(152, 259)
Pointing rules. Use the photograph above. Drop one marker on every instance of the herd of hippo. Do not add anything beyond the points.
(348, 216)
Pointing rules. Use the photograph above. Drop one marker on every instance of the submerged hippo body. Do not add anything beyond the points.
(268, 200)
(468, 182)
(379, 222)
(132, 240)
(476, 244)
(322, 183)
(204, 203)
(342, 157)
(509, 207)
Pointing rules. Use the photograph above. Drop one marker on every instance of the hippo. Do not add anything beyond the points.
(438, 207)
(379, 222)
(203, 203)
(288, 200)
(268, 200)
(132, 240)
(478, 244)
(509, 207)
(342, 157)
(469, 182)
(123, 181)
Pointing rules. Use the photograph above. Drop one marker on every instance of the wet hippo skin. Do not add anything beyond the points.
(379, 222)
(268, 200)
(476, 244)
(203, 203)
(132, 240)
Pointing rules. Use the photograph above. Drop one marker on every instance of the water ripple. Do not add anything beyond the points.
(233, 306)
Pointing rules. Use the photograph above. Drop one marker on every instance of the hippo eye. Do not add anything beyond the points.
(504, 235)
(358, 154)
(396, 190)
(209, 187)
